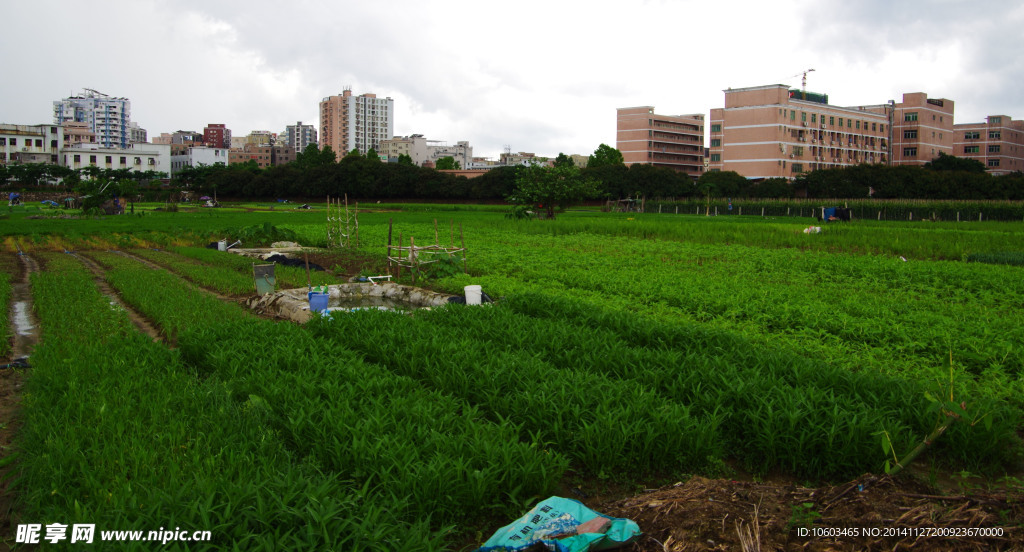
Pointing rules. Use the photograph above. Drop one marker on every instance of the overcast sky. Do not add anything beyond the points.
(542, 77)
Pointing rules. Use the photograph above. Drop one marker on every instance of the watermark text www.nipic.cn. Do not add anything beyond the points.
(85, 533)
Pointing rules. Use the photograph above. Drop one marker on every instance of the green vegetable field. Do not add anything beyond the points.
(626, 349)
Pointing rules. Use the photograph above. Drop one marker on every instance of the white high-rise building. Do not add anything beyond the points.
(108, 117)
(359, 123)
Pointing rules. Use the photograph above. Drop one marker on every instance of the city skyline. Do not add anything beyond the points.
(538, 77)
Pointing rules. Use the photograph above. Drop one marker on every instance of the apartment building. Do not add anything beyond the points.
(462, 152)
(360, 123)
(298, 136)
(414, 145)
(78, 133)
(998, 143)
(217, 135)
(773, 131)
(136, 157)
(264, 155)
(108, 117)
(922, 128)
(193, 156)
(30, 143)
(673, 141)
(137, 134)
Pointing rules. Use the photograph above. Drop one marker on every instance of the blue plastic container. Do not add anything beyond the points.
(317, 301)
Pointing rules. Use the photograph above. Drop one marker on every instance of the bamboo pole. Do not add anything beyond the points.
(413, 257)
(463, 240)
(389, 246)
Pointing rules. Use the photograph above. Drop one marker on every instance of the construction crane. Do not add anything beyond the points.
(803, 82)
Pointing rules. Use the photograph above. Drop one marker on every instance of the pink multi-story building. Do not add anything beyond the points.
(998, 143)
(349, 122)
(773, 131)
(673, 141)
(922, 128)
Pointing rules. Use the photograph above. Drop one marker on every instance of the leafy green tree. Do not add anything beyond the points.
(551, 188)
(327, 156)
(564, 160)
(770, 188)
(372, 155)
(405, 160)
(447, 163)
(604, 156)
(312, 156)
(953, 163)
(721, 183)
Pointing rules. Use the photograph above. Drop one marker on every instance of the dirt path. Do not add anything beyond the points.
(25, 336)
(140, 322)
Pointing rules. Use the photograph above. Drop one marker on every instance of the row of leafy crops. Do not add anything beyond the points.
(432, 455)
(288, 277)
(536, 358)
(860, 312)
(119, 433)
(865, 209)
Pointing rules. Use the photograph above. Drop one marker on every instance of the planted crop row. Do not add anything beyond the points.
(353, 420)
(780, 410)
(117, 432)
(839, 308)
(602, 424)
(288, 277)
(220, 279)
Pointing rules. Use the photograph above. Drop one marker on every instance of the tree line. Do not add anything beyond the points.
(318, 173)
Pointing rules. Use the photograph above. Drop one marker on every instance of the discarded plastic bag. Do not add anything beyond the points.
(562, 525)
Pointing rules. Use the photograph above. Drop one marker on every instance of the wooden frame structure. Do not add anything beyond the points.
(342, 223)
(414, 257)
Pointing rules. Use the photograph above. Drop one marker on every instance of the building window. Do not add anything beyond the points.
(994, 135)
(110, 159)
(881, 128)
(792, 115)
(840, 121)
(39, 143)
(797, 168)
(14, 141)
(803, 116)
(814, 117)
(858, 125)
(716, 128)
(716, 157)
(832, 121)
(3, 141)
(92, 159)
(138, 160)
(716, 142)
(909, 152)
(909, 134)
(124, 160)
(993, 149)
(993, 162)
(78, 158)
(910, 116)
(849, 123)
(971, 149)
(995, 120)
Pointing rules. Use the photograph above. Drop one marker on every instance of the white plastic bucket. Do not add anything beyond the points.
(473, 295)
(222, 245)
